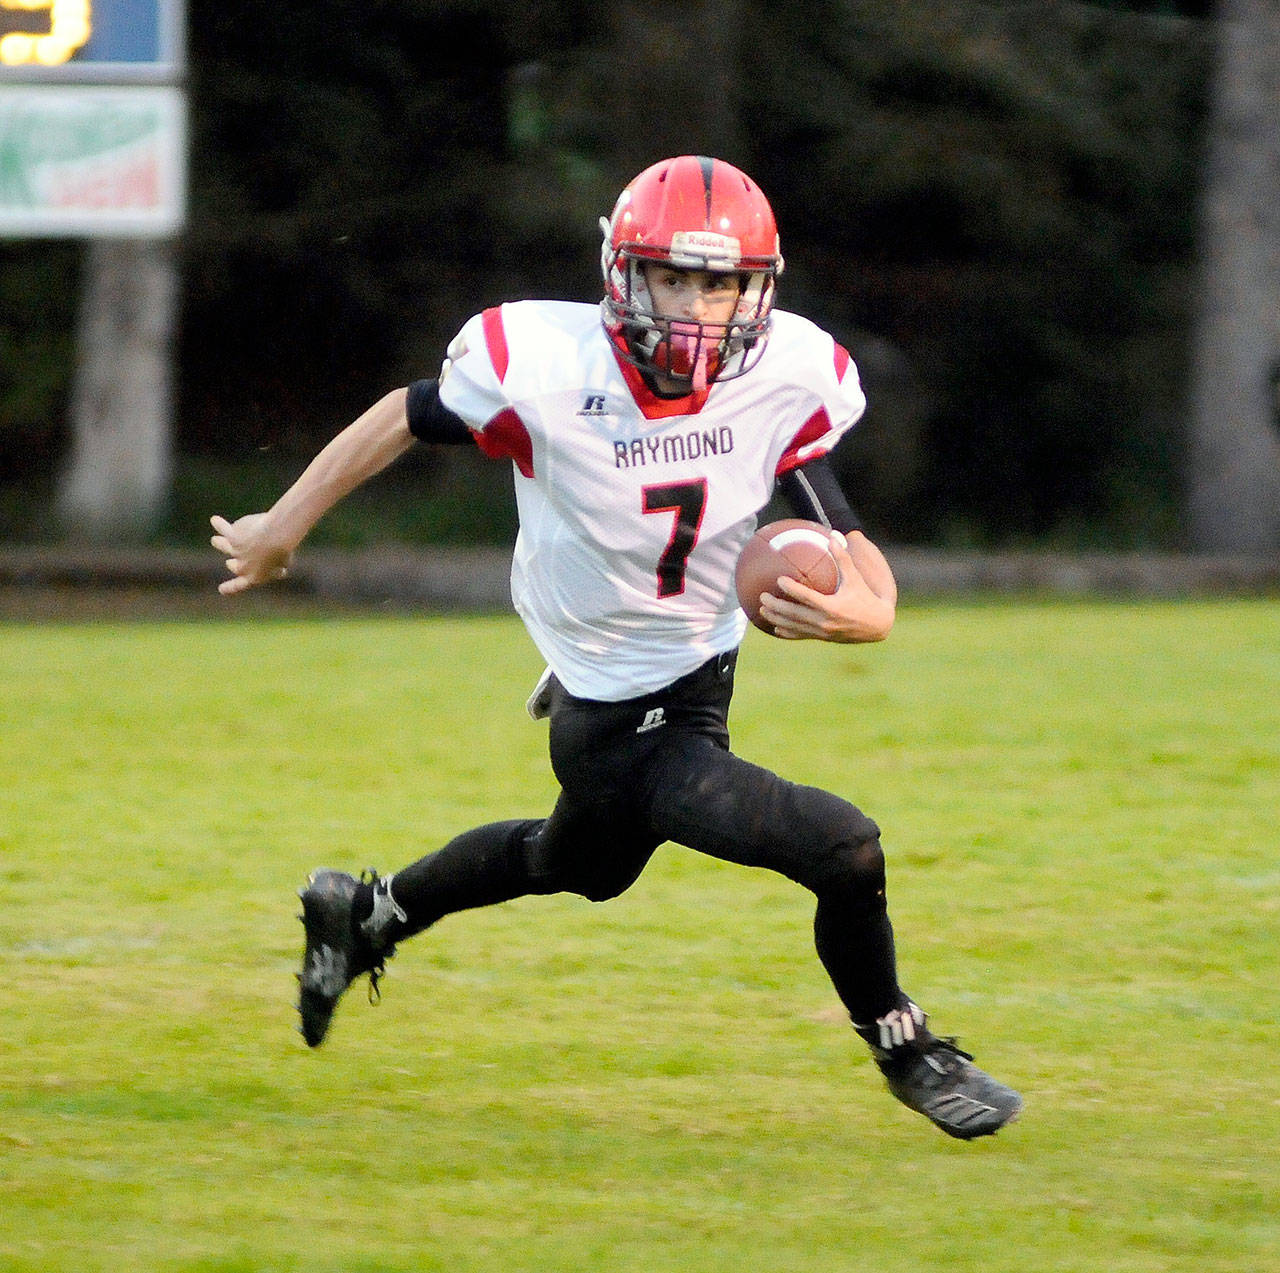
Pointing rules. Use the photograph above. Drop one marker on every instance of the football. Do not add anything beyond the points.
(794, 547)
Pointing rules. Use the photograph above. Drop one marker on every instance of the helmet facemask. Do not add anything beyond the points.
(681, 348)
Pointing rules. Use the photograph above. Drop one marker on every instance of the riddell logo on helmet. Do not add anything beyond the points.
(706, 243)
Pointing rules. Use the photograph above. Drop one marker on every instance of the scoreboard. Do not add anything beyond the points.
(117, 41)
(93, 118)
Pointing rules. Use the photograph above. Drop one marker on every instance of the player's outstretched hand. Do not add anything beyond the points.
(253, 557)
(855, 612)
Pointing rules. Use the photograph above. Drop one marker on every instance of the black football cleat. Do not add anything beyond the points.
(936, 1079)
(336, 953)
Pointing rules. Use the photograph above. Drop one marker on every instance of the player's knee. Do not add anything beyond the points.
(539, 863)
(854, 867)
(864, 865)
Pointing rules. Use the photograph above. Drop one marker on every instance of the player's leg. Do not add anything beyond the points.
(589, 850)
(353, 926)
(704, 797)
(662, 762)
(592, 844)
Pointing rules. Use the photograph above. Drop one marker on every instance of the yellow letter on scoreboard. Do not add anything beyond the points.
(42, 32)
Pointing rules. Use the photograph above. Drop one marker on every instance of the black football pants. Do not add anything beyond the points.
(636, 774)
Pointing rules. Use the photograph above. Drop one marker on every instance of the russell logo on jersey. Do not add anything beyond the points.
(654, 718)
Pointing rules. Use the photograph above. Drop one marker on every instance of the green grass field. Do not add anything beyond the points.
(1079, 804)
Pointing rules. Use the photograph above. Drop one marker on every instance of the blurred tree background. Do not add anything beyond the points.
(992, 205)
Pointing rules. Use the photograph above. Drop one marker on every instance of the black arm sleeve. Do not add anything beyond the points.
(814, 494)
(429, 419)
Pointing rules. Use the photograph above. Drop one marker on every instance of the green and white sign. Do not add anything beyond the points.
(80, 161)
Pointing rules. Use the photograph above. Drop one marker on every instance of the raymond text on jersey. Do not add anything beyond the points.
(671, 448)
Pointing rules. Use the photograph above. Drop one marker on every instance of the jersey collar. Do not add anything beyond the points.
(653, 406)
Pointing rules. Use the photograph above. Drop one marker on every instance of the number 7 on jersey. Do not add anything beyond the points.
(688, 501)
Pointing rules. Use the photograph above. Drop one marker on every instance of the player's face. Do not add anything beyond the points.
(700, 296)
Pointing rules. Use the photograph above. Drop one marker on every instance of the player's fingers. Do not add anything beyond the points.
(221, 541)
(850, 576)
(789, 632)
(228, 587)
(774, 604)
(782, 613)
(840, 551)
(801, 592)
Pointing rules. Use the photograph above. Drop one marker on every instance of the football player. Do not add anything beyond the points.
(646, 434)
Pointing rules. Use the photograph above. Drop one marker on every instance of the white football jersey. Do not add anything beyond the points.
(634, 508)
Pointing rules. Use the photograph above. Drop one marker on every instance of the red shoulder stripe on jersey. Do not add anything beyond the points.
(495, 337)
(505, 436)
(842, 361)
(812, 429)
(652, 407)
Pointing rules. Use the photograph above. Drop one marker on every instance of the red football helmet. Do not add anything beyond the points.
(690, 213)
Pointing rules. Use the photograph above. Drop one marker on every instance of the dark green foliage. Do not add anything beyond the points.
(1006, 192)
(992, 205)
(353, 202)
(38, 288)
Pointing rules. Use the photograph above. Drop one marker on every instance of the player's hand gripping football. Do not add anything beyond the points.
(253, 554)
(861, 609)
